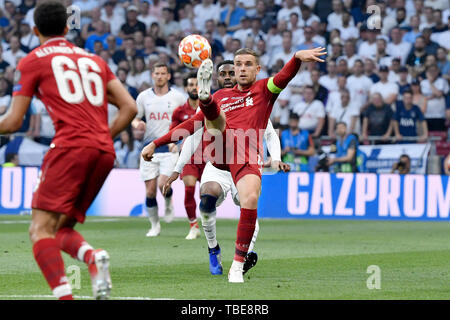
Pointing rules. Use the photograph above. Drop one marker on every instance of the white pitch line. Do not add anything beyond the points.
(28, 221)
(47, 296)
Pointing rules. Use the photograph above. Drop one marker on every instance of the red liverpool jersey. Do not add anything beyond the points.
(72, 84)
(181, 114)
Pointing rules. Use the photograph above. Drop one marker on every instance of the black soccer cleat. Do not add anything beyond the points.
(250, 261)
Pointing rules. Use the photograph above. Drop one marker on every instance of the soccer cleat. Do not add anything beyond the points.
(236, 273)
(99, 269)
(194, 233)
(250, 261)
(204, 78)
(169, 213)
(215, 261)
(154, 231)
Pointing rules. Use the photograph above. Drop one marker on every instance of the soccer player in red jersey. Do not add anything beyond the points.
(75, 87)
(238, 113)
(193, 171)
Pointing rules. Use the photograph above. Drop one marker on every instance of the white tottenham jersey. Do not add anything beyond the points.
(158, 111)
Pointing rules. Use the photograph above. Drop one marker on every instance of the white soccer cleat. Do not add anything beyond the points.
(204, 78)
(100, 277)
(169, 213)
(154, 231)
(236, 273)
(194, 233)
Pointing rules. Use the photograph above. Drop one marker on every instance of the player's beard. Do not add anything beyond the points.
(193, 96)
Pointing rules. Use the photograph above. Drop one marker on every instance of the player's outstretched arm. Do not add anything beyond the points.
(13, 118)
(290, 69)
(120, 97)
(178, 133)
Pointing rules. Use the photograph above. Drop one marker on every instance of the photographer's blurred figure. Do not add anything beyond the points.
(11, 160)
(403, 166)
(347, 159)
(296, 145)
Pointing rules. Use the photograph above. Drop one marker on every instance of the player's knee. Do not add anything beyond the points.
(39, 231)
(207, 203)
(250, 201)
(169, 193)
(212, 189)
(151, 202)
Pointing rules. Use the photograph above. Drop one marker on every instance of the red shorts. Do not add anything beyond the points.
(70, 180)
(191, 169)
(240, 170)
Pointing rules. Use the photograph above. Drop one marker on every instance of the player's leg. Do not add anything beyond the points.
(72, 242)
(215, 117)
(191, 206)
(149, 171)
(47, 252)
(167, 163)
(214, 187)
(248, 187)
(252, 257)
(152, 207)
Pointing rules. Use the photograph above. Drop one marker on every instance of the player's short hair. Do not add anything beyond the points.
(160, 65)
(248, 51)
(293, 116)
(221, 63)
(341, 122)
(50, 18)
(190, 75)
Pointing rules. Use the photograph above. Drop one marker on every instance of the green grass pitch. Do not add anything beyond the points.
(298, 259)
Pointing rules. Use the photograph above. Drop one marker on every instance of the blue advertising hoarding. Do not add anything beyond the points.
(355, 196)
(294, 195)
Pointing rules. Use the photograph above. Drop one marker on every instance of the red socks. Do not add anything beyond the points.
(48, 257)
(190, 205)
(73, 243)
(246, 228)
(210, 109)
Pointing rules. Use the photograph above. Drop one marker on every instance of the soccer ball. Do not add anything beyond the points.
(193, 50)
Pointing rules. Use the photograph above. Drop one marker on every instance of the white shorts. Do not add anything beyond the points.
(224, 179)
(162, 164)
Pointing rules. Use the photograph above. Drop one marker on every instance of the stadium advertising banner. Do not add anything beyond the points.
(380, 158)
(123, 194)
(355, 196)
(293, 195)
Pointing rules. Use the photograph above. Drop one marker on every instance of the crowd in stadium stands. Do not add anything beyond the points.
(386, 74)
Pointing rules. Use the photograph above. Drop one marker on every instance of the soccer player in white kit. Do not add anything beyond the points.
(157, 105)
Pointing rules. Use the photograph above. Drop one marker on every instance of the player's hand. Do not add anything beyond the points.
(172, 178)
(280, 166)
(139, 125)
(311, 55)
(148, 151)
(173, 148)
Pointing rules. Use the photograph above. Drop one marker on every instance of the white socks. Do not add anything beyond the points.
(153, 215)
(209, 227)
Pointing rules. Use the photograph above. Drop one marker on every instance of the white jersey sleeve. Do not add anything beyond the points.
(190, 144)
(273, 142)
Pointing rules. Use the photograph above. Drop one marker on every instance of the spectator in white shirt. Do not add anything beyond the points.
(14, 53)
(368, 48)
(435, 89)
(204, 11)
(344, 111)
(28, 39)
(350, 53)
(289, 7)
(381, 57)
(115, 18)
(311, 112)
(287, 52)
(398, 48)
(144, 14)
(329, 80)
(388, 90)
(335, 96)
(359, 86)
(347, 30)
(428, 21)
(307, 17)
(334, 19)
(245, 29)
(5, 97)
